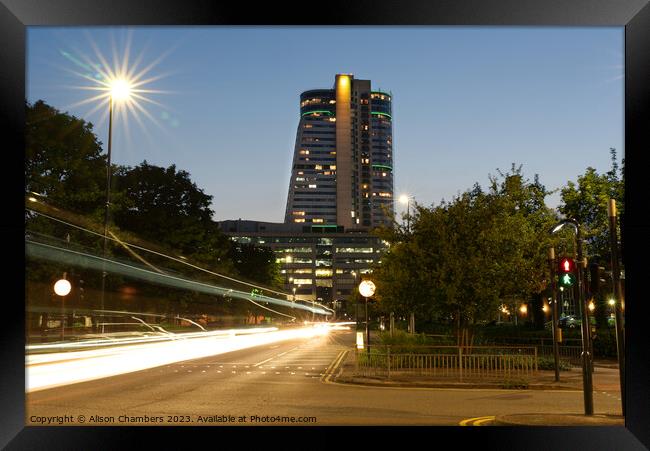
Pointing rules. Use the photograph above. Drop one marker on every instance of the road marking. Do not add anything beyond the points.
(329, 372)
(477, 421)
(271, 358)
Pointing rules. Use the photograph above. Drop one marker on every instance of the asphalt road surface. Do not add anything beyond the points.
(282, 384)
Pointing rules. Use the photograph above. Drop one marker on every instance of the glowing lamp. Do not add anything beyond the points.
(62, 287)
(367, 288)
(120, 89)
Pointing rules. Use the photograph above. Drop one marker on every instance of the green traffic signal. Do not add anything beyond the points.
(567, 280)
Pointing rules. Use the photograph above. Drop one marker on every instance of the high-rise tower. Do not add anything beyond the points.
(342, 172)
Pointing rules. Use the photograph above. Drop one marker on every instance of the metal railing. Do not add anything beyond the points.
(461, 363)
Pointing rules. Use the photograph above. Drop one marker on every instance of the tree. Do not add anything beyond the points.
(463, 258)
(65, 171)
(63, 160)
(587, 203)
(164, 206)
(256, 263)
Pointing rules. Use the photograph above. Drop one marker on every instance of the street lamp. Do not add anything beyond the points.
(62, 288)
(406, 199)
(586, 357)
(367, 289)
(120, 89)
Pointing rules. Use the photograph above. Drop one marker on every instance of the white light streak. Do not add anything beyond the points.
(63, 368)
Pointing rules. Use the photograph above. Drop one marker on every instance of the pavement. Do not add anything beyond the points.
(605, 379)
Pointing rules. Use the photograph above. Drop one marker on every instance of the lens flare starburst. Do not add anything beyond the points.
(122, 80)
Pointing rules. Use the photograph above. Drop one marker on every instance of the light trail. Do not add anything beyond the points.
(62, 255)
(52, 370)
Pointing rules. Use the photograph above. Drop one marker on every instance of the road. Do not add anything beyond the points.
(279, 384)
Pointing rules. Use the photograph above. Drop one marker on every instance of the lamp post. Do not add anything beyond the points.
(120, 89)
(557, 333)
(587, 383)
(406, 199)
(618, 296)
(62, 288)
(367, 289)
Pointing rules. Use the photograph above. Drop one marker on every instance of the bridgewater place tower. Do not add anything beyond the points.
(342, 173)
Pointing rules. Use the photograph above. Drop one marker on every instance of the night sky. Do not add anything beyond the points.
(466, 100)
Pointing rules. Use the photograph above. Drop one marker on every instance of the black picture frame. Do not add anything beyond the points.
(634, 15)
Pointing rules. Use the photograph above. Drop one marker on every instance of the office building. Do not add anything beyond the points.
(342, 170)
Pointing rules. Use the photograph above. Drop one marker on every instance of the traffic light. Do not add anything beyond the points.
(566, 272)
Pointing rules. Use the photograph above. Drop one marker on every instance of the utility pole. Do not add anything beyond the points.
(618, 298)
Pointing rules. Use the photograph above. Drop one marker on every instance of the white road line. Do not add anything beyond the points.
(275, 356)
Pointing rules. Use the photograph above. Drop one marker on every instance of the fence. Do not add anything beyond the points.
(462, 363)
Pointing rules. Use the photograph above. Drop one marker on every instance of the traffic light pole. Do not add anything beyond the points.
(618, 307)
(557, 337)
(588, 389)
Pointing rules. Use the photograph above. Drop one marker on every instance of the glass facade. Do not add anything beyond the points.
(356, 147)
(321, 268)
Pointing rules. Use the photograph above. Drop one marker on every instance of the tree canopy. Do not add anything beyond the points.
(463, 258)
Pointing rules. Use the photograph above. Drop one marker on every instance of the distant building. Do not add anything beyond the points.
(321, 263)
(342, 171)
(341, 188)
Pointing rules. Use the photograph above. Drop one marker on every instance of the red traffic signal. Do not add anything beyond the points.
(567, 265)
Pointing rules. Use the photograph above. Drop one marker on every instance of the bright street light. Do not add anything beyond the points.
(62, 287)
(120, 89)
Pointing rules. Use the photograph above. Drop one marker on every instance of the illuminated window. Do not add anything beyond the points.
(317, 220)
(323, 273)
(384, 194)
(332, 166)
(302, 271)
(308, 126)
(333, 152)
(312, 186)
(300, 179)
(318, 166)
(352, 213)
(323, 282)
(332, 101)
(299, 213)
(355, 250)
(299, 220)
(302, 281)
(339, 271)
(332, 119)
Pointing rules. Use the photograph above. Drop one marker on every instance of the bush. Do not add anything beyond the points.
(548, 363)
(605, 343)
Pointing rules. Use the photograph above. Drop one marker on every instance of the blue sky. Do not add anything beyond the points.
(466, 101)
